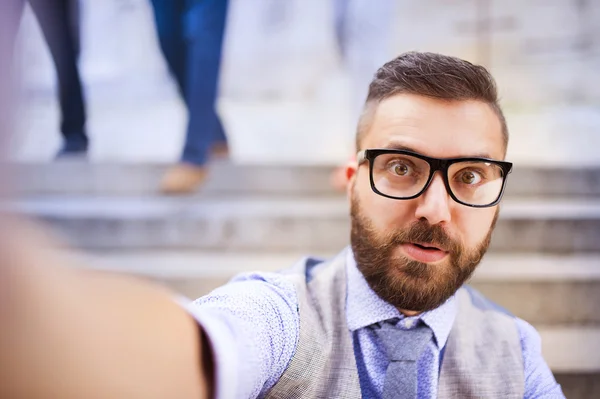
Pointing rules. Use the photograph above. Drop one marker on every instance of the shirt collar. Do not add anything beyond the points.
(364, 307)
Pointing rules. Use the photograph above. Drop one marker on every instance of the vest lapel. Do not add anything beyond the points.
(323, 365)
(483, 357)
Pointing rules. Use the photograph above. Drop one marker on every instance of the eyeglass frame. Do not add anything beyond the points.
(435, 164)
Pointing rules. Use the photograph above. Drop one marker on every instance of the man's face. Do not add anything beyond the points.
(388, 236)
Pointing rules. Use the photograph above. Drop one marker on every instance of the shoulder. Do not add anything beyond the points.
(252, 324)
(481, 302)
(256, 293)
(483, 319)
(263, 293)
(538, 378)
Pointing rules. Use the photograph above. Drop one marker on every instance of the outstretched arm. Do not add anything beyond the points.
(67, 332)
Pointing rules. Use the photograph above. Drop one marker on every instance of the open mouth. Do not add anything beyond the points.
(424, 252)
(426, 247)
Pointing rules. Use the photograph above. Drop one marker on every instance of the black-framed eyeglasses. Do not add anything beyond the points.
(404, 175)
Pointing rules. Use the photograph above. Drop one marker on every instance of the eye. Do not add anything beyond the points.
(400, 169)
(470, 177)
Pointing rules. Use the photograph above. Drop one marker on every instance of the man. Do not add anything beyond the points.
(389, 317)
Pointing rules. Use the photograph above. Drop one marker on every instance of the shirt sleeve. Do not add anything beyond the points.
(539, 380)
(252, 324)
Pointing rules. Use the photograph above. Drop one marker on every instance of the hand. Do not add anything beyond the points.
(69, 332)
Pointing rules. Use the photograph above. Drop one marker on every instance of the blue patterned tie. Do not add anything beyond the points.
(403, 348)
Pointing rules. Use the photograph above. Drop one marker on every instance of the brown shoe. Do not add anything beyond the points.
(183, 178)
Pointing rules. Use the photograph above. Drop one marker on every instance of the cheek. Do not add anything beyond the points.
(474, 224)
(384, 213)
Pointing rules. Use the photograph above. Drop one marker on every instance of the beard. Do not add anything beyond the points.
(406, 283)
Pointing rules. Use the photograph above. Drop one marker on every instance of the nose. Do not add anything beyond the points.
(434, 203)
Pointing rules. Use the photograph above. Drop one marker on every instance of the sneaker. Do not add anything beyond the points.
(73, 149)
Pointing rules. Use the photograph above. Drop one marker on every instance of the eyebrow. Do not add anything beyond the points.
(394, 145)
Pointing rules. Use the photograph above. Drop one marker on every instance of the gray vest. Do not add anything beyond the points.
(482, 358)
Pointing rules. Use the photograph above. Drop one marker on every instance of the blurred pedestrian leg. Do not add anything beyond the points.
(191, 38)
(59, 22)
(168, 17)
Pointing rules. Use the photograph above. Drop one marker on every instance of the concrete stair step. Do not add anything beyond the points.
(570, 349)
(542, 289)
(579, 385)
(76, 177)
(274, 223)
(572, 354)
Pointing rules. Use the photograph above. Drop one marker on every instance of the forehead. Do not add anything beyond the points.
(438, 128)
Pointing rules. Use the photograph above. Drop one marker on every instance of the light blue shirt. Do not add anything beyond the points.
(253, 325)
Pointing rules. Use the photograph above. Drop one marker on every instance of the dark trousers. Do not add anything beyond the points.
(190, 34)
(59, 22)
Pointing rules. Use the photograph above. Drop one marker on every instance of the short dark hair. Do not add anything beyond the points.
(431, 75)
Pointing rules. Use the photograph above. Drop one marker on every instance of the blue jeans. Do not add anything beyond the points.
(190, 34)
(58, 20)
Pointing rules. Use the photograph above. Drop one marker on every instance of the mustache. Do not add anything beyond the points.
(425, 233)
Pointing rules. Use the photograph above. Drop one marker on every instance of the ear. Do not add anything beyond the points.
(351, 170)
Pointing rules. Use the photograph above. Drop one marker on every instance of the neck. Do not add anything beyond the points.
(409, 313)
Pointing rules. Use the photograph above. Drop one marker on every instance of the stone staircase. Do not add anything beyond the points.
(543, 265)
